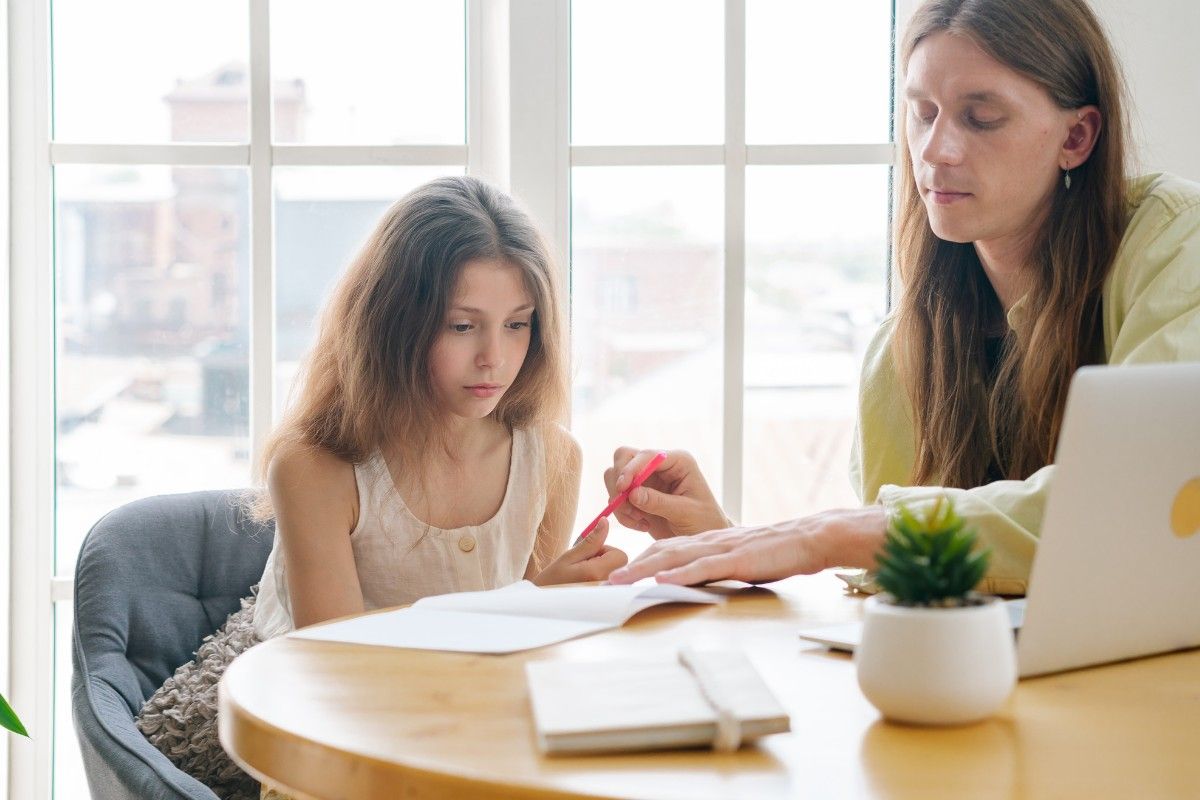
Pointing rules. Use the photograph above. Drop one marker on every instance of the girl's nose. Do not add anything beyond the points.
(491, 355)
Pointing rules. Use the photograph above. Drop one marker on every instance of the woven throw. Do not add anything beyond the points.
(180, 719)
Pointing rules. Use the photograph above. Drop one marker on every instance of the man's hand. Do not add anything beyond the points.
(674, 501)
(763, 554)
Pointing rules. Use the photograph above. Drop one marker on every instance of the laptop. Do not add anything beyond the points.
(1117, 570)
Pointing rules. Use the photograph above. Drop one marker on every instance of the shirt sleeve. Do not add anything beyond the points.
(1152, 306)
(1152, 314)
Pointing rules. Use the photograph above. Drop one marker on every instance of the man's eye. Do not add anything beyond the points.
(924, 115)
(984, 124)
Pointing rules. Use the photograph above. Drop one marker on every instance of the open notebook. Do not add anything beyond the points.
(701, 698)
(517, 617)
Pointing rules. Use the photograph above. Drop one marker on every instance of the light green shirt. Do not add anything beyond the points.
(1151, 307)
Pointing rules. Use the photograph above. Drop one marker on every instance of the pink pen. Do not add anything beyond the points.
(637, 481)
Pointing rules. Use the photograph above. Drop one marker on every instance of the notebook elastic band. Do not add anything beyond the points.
(729, 729)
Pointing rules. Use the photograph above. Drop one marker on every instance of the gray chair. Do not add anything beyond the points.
(154, 577)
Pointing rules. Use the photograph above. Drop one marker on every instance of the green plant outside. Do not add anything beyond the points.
(930, 559)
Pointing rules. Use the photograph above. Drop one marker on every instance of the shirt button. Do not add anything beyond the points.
(466, 544)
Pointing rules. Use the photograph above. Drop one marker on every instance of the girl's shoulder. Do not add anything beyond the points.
(300, 475)
(558, 442)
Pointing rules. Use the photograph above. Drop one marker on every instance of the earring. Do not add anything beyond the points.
(1067, 178)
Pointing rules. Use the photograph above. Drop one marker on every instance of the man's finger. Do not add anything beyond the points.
(703, 570)
(633, 466)
(610, 481)
(659, 558)
(629, 516)
(660, 504)
(621, 458)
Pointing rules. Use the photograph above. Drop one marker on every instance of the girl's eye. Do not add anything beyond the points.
(461, 327)
(516, 326)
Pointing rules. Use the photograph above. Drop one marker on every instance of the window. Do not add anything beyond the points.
(726, 239)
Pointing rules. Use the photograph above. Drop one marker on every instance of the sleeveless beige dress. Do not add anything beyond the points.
(401, 559)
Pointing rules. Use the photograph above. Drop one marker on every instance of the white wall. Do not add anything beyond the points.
(1156, 41)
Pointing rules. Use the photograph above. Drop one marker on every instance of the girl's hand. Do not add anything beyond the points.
(588, 560)
(674, 501)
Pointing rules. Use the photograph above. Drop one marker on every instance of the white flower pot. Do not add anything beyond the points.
(936, 666)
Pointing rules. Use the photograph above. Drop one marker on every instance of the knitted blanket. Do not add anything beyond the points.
(180, 719)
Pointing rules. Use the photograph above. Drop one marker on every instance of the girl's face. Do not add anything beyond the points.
(484, 338)
(986, 142)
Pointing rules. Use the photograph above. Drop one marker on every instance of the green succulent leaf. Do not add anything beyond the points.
(930, 558)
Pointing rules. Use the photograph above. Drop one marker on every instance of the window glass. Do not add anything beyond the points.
(647, 72)
(197, 89)
(816, 267)
(818, 73)
(152, 318)
(647, 263)
(369, 73)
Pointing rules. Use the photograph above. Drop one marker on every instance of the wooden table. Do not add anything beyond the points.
(331, 720)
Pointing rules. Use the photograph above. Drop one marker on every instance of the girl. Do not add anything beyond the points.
(1025, 253)
(423, 454)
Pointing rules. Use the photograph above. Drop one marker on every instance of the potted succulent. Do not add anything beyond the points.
(9, 718)
(933, 651)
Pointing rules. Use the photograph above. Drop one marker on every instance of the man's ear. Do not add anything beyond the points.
(1081, 138)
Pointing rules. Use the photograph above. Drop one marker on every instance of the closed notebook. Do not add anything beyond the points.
(701, 699)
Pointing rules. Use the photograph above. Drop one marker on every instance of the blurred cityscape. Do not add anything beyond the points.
(153, 285)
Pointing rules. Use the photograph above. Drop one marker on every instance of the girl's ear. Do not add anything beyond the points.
(1081, 137)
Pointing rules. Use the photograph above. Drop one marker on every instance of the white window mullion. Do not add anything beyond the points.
(176, 155)
(755, 154)
(292, 155)
(262, 244)
(837, 154)
(647, 155)
(488, 103)
(6, 472)
(32, 402)
(538, 139)
(735, 254)
(562, 137)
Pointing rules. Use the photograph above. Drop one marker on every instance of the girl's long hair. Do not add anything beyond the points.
(963, 425)
(366, 382)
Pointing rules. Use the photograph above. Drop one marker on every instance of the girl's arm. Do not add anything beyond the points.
(564, 466)
(316, 508)
(589, 560)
